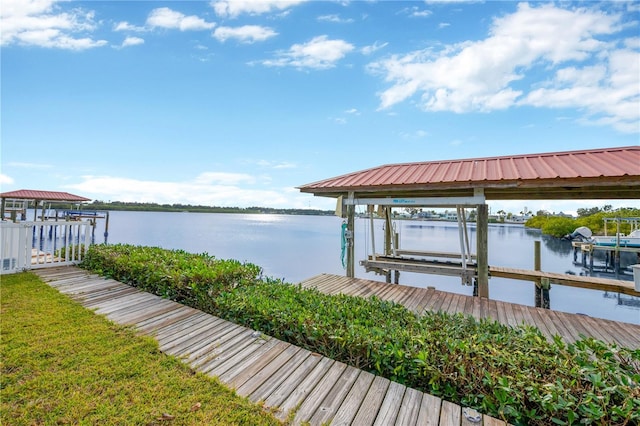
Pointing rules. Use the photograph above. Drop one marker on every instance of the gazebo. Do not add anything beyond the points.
(18, 201)
(607, 173)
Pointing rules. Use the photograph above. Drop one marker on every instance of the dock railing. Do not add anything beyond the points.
(32, 245)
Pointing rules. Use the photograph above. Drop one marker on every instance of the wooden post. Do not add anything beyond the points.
(388, 234)
(351, 210)
(537, 267)
(482, 229)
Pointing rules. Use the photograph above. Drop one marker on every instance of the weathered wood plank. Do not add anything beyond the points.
(332, 401)
(409, 408)
(260, 378)
(302, 362)
(372, 401)
(321, 390)
(390, 405)
(351, 403)
(253, 364)
(593, 283)
(450, 414)
(299, 389)
(429, 412)
(242, 360)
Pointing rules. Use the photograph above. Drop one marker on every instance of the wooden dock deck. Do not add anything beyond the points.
(568, 326)
(315, 389)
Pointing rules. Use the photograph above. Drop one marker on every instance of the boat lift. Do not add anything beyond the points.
(394, 259)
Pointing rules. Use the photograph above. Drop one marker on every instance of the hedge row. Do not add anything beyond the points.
(512, 373)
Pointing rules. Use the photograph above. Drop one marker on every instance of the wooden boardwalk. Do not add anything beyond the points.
(313, 388)
(569, 326)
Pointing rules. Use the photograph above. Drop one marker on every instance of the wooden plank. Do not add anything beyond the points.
(429, 412)
(593, 283)
(184, 327)
(450, 414)
(200, 348)
(424, 300)
(337, 391)
(390, 405)
(198, 327)
(225, 350)
(372, 401)
(254, 366)
(299, 389)
(333, 400)
(265, 374)
(294, 378)
(491, 421)
(167, 316)
(243, 362)
(409, 408)
(280, 375)
(351, 403)
(236, 354)
(312, 402)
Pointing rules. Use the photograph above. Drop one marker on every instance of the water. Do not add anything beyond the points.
(295, 248)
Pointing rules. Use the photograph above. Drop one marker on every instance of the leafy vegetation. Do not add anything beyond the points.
(591, 218)
(512, 373)
(61, 364)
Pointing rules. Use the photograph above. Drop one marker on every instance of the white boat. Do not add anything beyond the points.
(620, 240)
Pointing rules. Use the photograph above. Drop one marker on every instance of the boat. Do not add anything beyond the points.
(619, 240)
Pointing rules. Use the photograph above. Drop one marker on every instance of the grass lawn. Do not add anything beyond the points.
(62, 364)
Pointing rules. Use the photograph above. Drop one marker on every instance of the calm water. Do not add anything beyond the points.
(298, 247)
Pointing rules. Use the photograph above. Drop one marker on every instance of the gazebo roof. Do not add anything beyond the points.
(608, 173)
(55, 196)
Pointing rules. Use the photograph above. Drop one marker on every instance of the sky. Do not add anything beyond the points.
(237, 103)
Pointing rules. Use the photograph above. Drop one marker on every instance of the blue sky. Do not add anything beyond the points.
(235, 103)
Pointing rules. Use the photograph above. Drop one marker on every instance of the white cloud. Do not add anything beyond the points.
(5, 179)
(336, 19)
(211, 189)
(164, 17)
(496, 73)
(125, 26)
(319, 53)
(368, 50)
(132, 41)
(244, 34)
(352, 111)
(276, 165)
(41, 23)
(234, 8)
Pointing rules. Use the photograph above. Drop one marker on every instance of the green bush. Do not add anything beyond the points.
(512, 373)
(192, 279)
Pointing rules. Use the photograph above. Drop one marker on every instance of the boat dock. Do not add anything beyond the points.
(569, 326)
(300, 386)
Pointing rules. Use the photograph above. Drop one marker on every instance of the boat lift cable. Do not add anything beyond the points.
(343, 244)
(370, 210)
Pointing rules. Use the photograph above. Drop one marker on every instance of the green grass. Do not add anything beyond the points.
(62, 364)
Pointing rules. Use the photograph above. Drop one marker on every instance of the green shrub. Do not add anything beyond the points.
(192, 279)
(512, 373)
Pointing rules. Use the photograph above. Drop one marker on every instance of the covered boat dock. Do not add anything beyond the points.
(608, 173)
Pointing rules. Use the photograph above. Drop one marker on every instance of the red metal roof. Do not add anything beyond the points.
(553, 169)
(29, 194)
(610, 162)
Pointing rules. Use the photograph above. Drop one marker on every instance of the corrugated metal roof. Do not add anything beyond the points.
(29, 194)
(555, 166)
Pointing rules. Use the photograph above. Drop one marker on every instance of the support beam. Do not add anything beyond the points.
(482, 229)
(351, 210)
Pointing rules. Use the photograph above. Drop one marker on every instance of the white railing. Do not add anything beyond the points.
(32, 245)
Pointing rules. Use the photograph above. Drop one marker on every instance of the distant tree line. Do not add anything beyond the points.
(592, 218)
(155, 207)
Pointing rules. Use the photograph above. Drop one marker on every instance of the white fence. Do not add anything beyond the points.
(31, 245)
